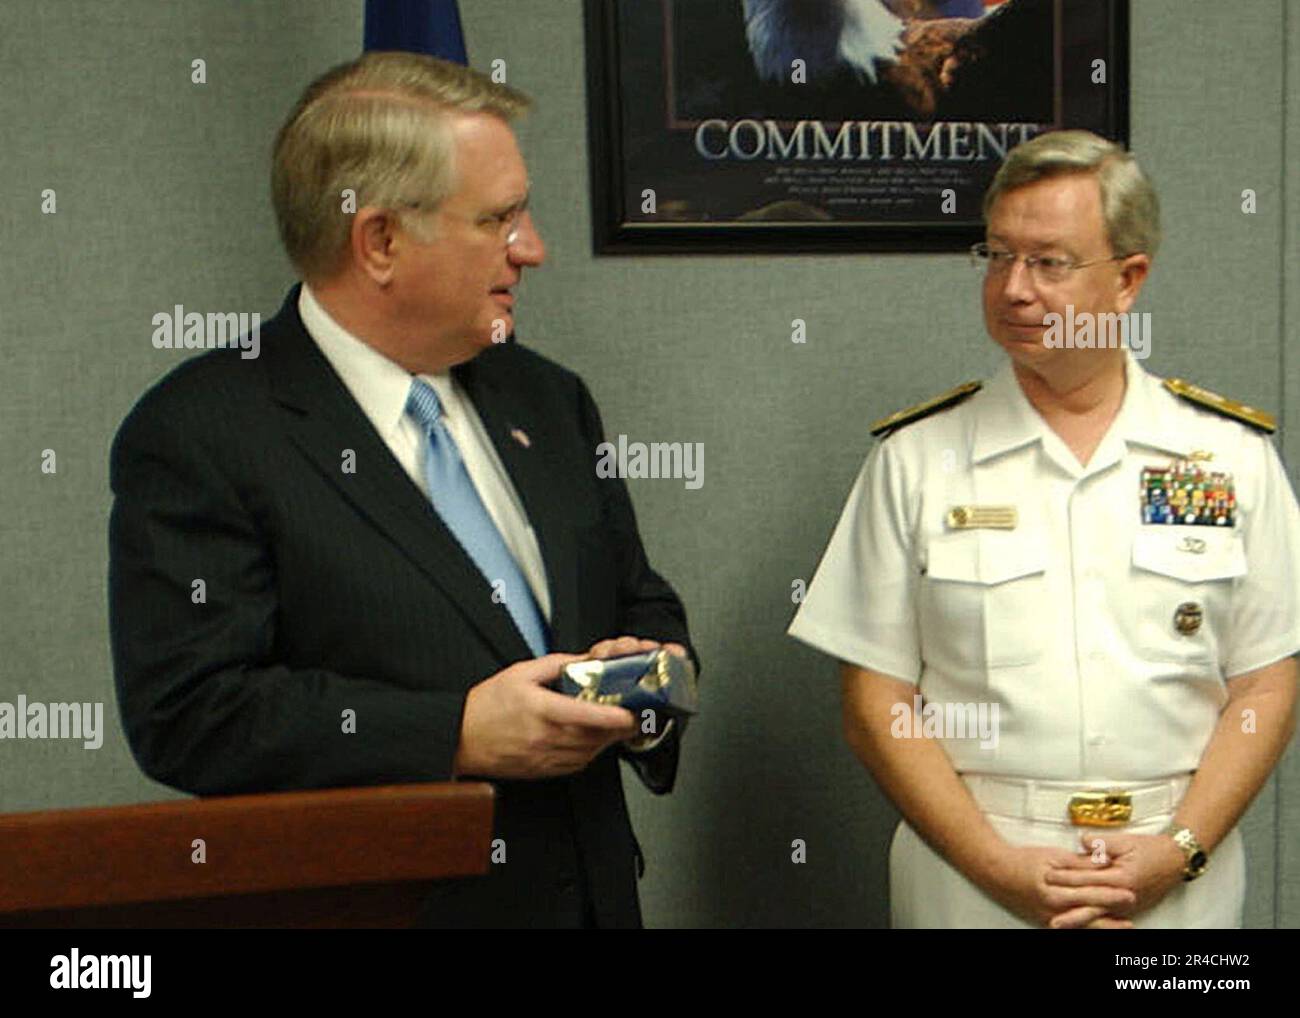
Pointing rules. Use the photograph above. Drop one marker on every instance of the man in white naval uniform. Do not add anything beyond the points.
(1112, 561)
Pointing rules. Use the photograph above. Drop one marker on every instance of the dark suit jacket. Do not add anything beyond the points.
(327, 590)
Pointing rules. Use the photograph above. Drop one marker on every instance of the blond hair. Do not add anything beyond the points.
(379, 125)
(1130, 208)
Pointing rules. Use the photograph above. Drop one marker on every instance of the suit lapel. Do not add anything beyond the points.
(521, 443)
(322, 419)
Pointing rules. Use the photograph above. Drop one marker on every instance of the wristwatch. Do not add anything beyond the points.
(1197, 861)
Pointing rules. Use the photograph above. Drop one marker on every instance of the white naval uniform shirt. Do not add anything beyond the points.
(1067, 621)
(382, 387)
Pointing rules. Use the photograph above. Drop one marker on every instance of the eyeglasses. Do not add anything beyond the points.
(505, 224)
(1044, 268)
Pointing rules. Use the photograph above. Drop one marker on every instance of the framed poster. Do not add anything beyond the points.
(831, 125)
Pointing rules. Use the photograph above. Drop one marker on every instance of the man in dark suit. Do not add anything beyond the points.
(356, 558)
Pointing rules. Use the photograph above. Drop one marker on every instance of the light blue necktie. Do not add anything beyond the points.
(457, 501)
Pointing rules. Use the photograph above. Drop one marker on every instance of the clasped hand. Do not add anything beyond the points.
(1114, 878)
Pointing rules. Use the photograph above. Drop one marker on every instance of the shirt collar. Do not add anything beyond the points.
(1148, 415)
(380, 386)
(1008, 420)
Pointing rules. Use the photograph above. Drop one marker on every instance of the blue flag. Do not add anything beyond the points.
(418, 26)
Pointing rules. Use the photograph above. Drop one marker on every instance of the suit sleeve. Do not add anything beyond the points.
(648, 606)
(206, 706)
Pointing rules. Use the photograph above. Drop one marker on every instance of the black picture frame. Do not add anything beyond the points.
(625, 56)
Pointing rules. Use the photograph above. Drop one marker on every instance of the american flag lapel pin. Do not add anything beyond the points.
(521, 436)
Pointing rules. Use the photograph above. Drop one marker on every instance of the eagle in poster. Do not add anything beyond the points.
(917, 47)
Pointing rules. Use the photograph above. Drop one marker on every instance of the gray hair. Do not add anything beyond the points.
(379, 125)
(1130, 208)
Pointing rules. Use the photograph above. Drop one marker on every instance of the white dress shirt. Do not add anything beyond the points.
(381, 387)
(1067, 621)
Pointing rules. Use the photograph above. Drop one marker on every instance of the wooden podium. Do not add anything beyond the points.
(352, 857)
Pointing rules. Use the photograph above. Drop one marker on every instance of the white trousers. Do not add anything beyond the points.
(925, 892)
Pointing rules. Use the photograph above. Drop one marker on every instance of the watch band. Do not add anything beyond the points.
(1197, 862)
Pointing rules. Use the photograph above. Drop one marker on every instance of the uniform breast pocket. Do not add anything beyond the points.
(982, 599)
(1185, 579)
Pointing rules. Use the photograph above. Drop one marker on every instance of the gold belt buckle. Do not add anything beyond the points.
(1101, 809)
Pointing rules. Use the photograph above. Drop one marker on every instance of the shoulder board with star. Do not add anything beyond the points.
(888, 425)
(1260, 420)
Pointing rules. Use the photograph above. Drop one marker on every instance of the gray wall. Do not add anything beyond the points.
(162, 199)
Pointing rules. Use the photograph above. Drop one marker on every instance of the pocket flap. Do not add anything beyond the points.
(985, 556)
(1192, 554)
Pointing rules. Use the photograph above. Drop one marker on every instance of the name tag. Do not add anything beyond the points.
(972, 517)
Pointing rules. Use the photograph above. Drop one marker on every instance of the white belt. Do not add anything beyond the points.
(1031, 799)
